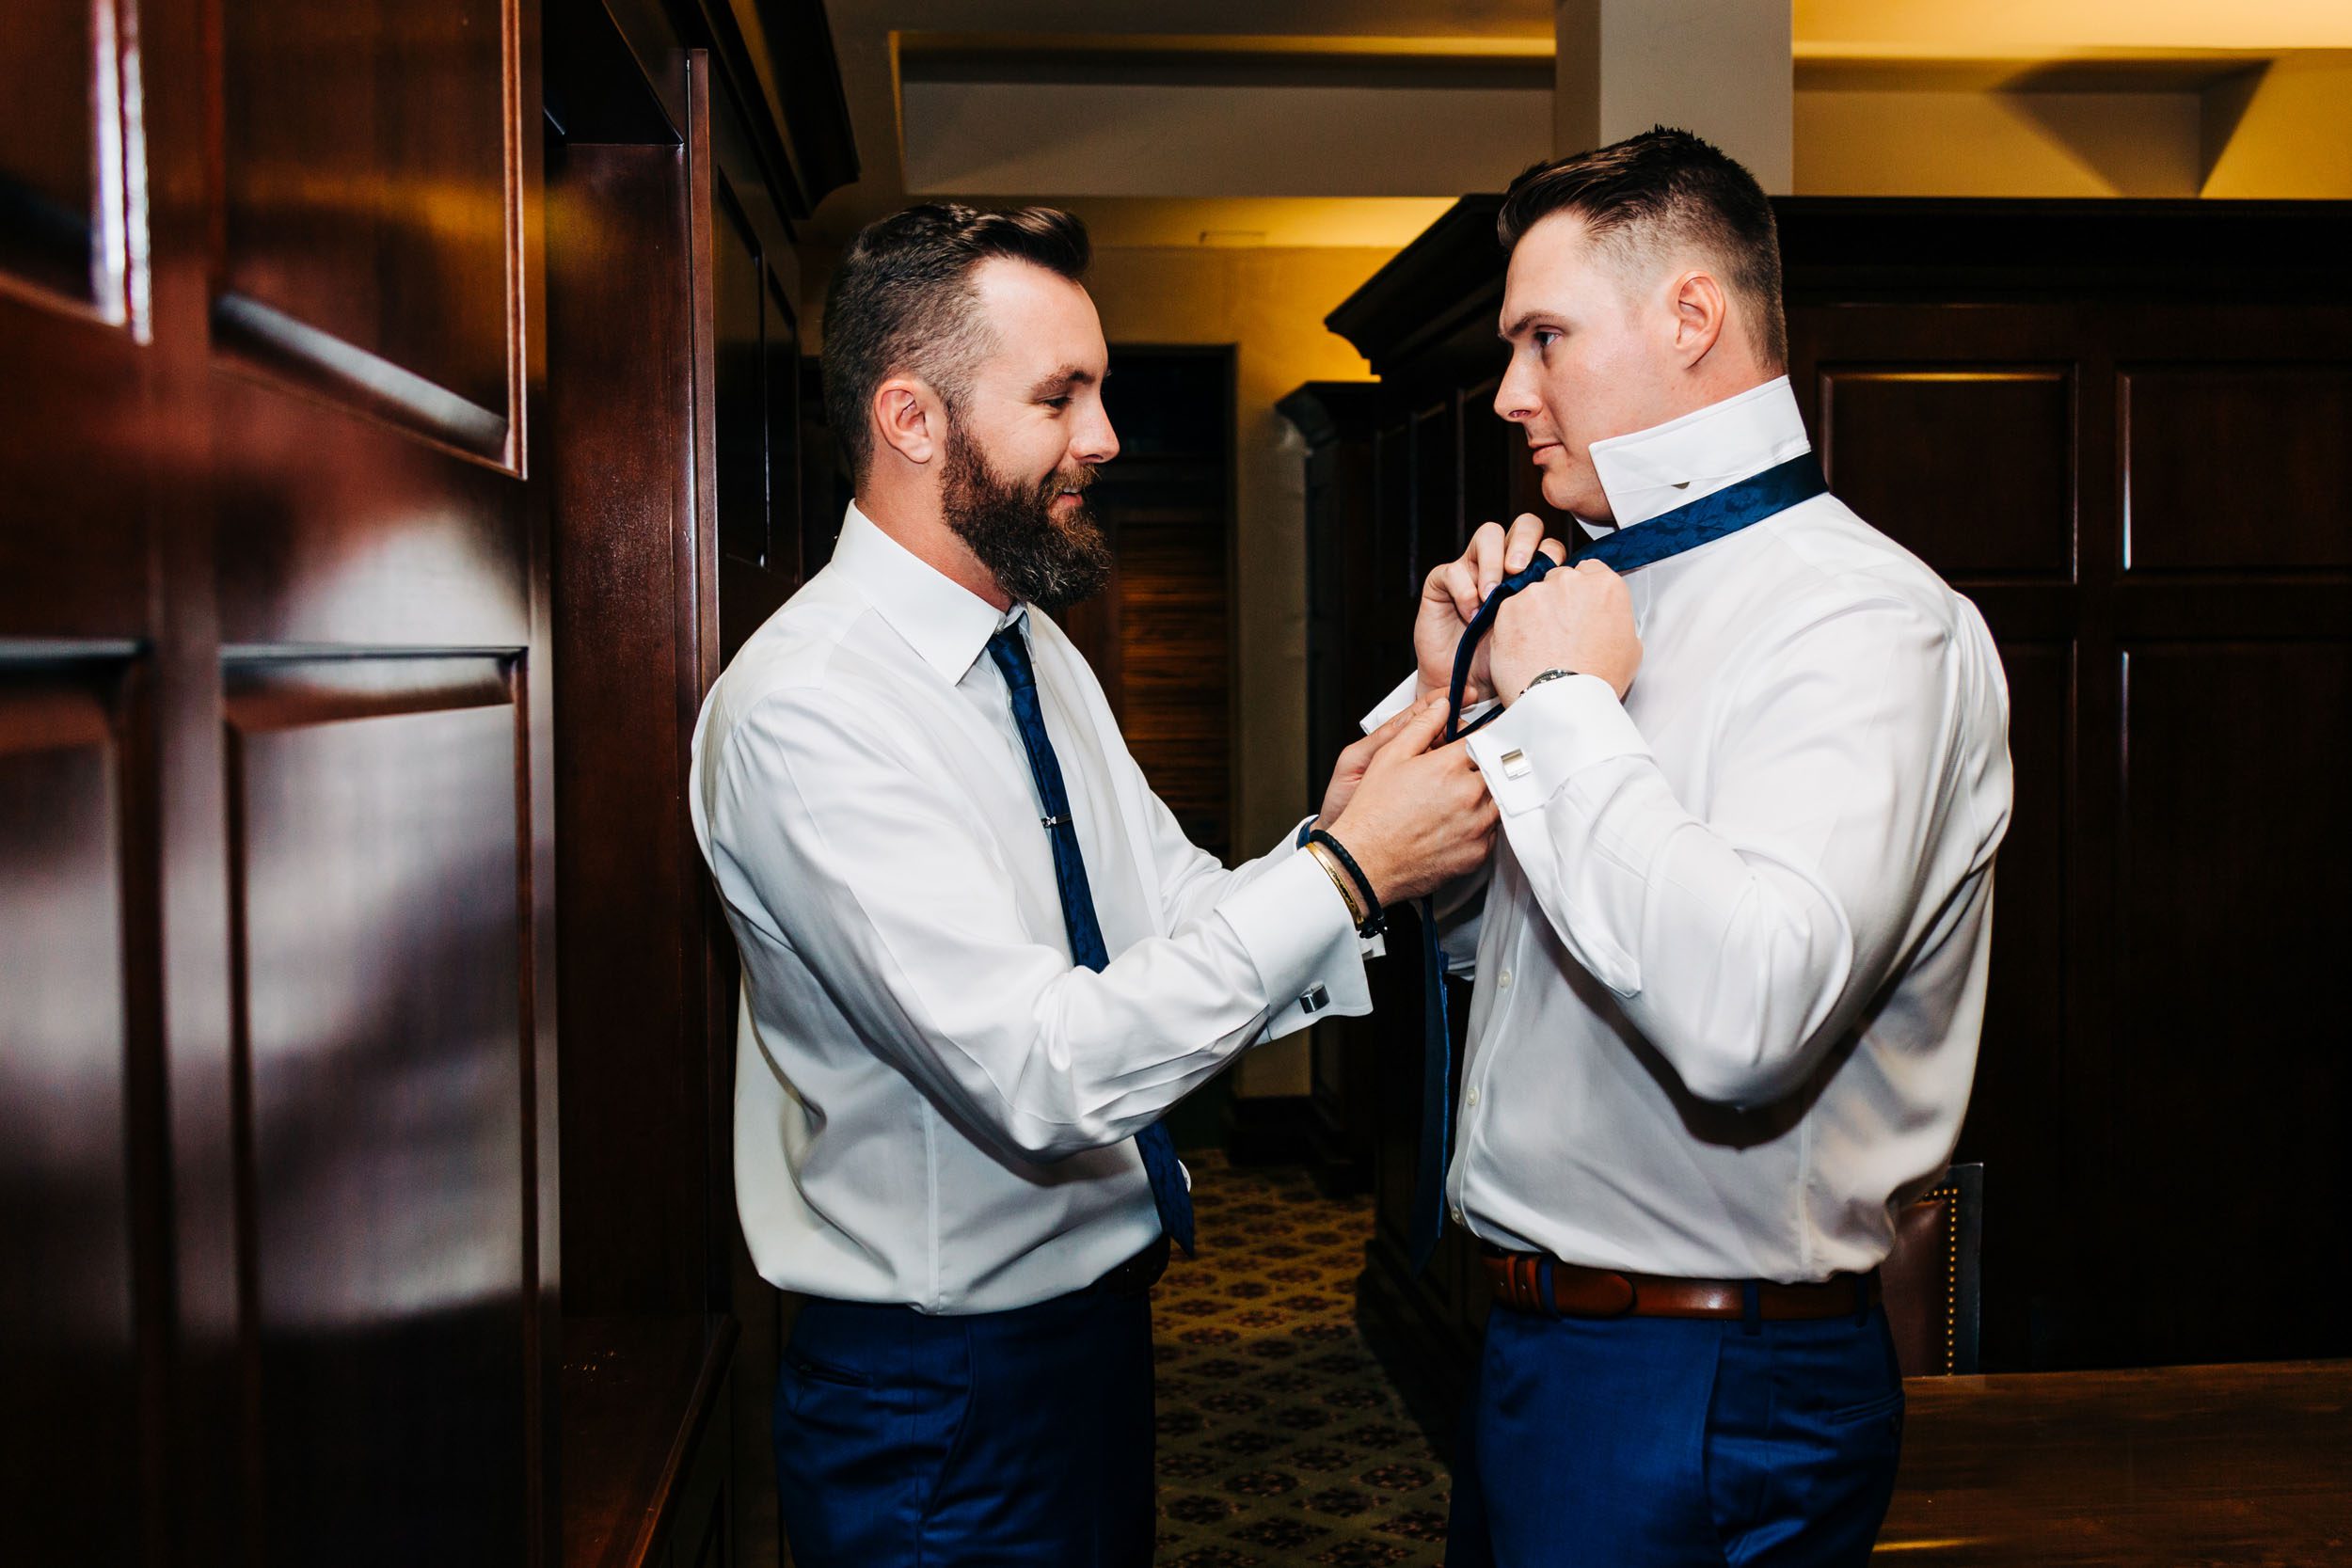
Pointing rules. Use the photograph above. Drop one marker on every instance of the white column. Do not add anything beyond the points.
(1725, 68)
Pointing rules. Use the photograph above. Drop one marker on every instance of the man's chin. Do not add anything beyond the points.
(1562, 493)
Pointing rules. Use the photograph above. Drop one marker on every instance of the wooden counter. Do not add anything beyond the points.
(2248, 1463)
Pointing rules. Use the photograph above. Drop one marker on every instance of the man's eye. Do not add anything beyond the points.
(1545, 338)
(1057, 405)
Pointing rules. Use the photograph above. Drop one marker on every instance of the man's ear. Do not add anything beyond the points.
(910, 418)
(1701, 310)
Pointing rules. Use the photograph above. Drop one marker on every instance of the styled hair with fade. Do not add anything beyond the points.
(903, 303)
(1658, 193)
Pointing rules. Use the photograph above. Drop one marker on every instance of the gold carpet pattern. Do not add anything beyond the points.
(1281, 1441)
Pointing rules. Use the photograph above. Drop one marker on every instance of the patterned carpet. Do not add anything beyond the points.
(1281, 1441)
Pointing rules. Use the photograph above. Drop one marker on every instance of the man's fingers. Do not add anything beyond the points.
(1458, 753)
(1557, 549)
(1527, 531)
(1462, 582)
(1416, 728)
(1485, 557)
(1386, 730)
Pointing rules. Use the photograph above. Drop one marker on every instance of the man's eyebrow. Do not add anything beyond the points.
(1520, 326)
(1061, 377)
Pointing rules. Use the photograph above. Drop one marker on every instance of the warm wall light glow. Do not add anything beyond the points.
(1531, 47)
(2073, 29)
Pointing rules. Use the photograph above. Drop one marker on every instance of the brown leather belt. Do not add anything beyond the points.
(1577, 1291)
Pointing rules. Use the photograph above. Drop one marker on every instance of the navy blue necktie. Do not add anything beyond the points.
(1686, 528)
(1011, 653)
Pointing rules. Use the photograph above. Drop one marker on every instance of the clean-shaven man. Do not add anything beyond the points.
(980, 961)
(1731, 962)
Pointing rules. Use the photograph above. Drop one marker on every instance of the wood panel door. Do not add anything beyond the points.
(381, 566)
(273, 720)
(2149, 501)
(1158, 636)
(85, 1288)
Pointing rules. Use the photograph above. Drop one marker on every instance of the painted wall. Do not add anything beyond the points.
(2013, 144)
(2294, 137)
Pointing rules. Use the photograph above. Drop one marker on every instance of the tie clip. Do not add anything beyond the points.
(1050, 823)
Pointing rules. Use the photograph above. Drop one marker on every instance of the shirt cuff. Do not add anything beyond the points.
(1393, 704)
(1553, 731)
(1293, 925)
(1402, 698)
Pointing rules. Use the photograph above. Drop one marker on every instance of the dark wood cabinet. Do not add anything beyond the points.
(343, 671)
(2122, 429)
(676, 484)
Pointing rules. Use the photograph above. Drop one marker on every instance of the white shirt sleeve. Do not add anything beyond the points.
(869, 863)
(1743, 943)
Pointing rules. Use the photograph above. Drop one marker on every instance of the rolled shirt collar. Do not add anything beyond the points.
(1655, 470)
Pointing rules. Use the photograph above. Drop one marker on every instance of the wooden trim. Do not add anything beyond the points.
(350, 376)
(635, 1390)
(262, 694)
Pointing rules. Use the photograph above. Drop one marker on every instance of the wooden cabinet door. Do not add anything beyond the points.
(273, 805)
(381, 573)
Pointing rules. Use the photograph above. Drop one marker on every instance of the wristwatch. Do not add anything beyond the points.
(1547, 675)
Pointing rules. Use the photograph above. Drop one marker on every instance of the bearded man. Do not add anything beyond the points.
(980, 961)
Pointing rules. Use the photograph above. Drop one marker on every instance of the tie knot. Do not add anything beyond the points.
(1011, 654)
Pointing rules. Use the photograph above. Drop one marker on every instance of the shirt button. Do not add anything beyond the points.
(1472, 1098)
(1505, 978)
(1457, 1213)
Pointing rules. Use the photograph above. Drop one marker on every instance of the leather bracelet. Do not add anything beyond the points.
(1330, 864)
(1375, 922)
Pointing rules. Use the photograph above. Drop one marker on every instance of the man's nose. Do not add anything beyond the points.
(1515, 398)
(1095, 441)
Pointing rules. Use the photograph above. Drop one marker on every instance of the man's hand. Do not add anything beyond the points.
(1455, 591)
(1349, 770)
(1420, 816)
(1580, 620)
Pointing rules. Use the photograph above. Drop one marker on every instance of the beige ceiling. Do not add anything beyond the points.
(1022, 93)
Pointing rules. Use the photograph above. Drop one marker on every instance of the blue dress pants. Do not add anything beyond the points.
(1669, 1443)
(1016, 1439)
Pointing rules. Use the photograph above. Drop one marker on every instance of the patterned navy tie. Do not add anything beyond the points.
(1011, 653)
(1686, 528)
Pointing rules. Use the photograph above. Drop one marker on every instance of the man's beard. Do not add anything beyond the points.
(1048, 560)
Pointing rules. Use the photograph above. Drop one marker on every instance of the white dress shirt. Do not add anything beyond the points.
(1731, 963)
(933, 1105)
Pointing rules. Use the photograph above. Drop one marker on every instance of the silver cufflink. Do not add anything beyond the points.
(1314, 1001)
(1515, 764)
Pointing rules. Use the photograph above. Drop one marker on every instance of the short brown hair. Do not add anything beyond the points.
(902, 302)
(1665, 190)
